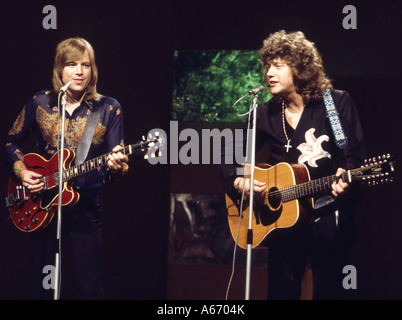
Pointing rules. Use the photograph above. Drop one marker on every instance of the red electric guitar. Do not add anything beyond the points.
(33, 212)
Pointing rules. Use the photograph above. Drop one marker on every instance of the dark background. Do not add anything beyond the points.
(134, 44)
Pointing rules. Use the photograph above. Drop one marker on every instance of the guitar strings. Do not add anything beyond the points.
(296, 191)
(72, 172)
(87, 166)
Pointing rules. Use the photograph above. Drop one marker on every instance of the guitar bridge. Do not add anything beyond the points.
(15, 197)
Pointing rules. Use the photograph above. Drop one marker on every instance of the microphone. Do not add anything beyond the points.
(256, 90)
(65, 87)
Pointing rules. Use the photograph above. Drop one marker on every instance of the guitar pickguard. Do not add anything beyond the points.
(48, 197)
(266, 216)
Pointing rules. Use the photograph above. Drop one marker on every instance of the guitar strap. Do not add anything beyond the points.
(333, 116)
(89, 131)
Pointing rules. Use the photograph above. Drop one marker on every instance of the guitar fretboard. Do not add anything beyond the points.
(90, 165)
(307, 189)
(94, 163)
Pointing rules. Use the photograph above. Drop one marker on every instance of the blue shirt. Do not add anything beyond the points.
(41, 115)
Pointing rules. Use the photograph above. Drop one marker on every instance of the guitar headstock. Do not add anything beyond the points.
(376, 170)
(153, 145)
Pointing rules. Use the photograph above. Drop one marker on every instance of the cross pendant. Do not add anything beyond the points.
(287, 146)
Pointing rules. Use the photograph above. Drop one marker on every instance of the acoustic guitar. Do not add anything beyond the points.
(288, 203)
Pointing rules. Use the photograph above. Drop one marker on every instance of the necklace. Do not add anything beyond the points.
(287, 146)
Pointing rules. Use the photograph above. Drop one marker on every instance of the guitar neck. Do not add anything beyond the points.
(95, 163)
(311, 188)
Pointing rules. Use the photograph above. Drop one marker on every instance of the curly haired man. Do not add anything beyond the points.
(295, 124)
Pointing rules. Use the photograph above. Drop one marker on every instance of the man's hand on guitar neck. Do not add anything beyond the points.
(241, 183)
(117, 161)
(31, 180)
(339, 188)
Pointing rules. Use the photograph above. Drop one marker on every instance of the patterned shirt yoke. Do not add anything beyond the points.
(41, 114)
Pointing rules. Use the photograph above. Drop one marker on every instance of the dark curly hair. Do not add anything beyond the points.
(302, 56)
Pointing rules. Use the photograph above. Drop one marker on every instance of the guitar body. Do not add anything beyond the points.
(271, 216)
(35, 211)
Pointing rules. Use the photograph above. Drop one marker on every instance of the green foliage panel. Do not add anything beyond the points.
(207, 84)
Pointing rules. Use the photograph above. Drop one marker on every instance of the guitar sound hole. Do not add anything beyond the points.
(269, 213)
(274, 198)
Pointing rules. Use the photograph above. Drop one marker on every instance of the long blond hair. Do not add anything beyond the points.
(70, 50)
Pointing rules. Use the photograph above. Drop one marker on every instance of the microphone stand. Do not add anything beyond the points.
(251, 200)
(61, 161)
(253, 110)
